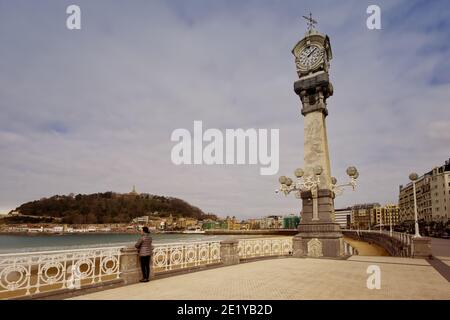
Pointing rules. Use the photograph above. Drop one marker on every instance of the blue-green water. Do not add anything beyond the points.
(25, 243)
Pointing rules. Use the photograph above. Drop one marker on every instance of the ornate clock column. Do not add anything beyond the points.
(319, 235)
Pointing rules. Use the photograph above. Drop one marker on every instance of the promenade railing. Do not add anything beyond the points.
(36, 272)
(173, 256)
(396, 243)
(349, 250)
(264, 247)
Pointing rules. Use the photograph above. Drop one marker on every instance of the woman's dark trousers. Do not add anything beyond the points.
(145, 266)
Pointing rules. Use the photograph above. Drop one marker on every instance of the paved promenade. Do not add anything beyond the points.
(291, 278)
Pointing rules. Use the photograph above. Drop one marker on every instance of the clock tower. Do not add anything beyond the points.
(319, 235)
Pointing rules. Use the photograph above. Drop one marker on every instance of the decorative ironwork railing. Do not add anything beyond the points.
(172, 256)
(35, 272)
(23, 274)
(252, 248)
(349, 250)
(404, 238)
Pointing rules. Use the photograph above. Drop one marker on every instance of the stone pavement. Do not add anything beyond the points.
(291, 278)
(440, 247)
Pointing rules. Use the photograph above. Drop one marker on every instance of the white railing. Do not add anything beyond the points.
(349, 250)
(35, 272)
(252, 248)
(404, 246)
(172, 256)
(404, 238)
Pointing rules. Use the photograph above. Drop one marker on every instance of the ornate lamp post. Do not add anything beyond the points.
(381, 221)
(413, 177)
(309, 183)
(390, 222)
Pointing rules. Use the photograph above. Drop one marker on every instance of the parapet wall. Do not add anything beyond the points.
(395, 243)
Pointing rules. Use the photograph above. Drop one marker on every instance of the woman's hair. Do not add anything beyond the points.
(145, 229)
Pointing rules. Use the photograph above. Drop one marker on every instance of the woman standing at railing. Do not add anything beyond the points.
(144, 245)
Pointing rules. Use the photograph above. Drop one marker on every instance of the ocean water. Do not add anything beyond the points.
(27, 243)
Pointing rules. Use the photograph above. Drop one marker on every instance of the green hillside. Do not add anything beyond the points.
(109, 207)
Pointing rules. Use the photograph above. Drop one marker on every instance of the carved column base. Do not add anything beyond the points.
(322, 237)
(317, 243)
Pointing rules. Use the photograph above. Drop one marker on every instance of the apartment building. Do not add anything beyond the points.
(432, 193)
(343, 217)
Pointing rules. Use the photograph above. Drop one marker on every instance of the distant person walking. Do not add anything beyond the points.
(144, 245)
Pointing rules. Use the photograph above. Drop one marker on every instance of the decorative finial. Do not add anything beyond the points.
(311, 21)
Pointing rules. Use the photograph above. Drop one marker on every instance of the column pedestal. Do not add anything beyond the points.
(322, 237)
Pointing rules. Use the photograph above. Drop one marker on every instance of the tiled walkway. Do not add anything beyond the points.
(291, 278)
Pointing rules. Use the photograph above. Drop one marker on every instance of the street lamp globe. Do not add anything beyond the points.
(351, 171)
(299, 172)
(333, 180)
(288, 182)
(413, 176)
(282, 180)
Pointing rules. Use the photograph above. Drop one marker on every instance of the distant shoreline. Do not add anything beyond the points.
(284, 232)
(24, 233)
(3, 233)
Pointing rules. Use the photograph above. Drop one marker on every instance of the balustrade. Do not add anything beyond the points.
(36, 272)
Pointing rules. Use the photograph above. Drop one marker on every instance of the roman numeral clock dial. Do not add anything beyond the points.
(310, 56)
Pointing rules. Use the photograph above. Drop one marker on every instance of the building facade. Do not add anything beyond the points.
(433, 196)
(363, 215)
(291, 221)
(343, 217)
(386, 215)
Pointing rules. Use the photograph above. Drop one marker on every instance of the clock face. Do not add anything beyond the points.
(309, 57)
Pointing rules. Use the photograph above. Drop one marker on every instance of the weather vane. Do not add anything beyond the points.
(311, 21)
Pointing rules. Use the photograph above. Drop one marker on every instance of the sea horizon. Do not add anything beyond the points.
(15, 243)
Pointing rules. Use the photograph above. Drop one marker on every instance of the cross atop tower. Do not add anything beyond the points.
(311, 21)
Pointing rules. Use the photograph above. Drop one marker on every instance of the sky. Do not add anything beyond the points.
(92, 110)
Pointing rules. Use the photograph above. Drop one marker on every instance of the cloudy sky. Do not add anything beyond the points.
(93, 110)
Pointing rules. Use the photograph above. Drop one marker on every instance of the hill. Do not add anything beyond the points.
(108, 207)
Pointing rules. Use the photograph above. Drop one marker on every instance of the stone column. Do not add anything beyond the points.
(319, 234)
(130, 269)
(421, 247)
(229, 253)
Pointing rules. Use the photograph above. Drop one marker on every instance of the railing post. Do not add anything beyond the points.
(129, 265)
(298, 249)
(421, 247)
(229, 253)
